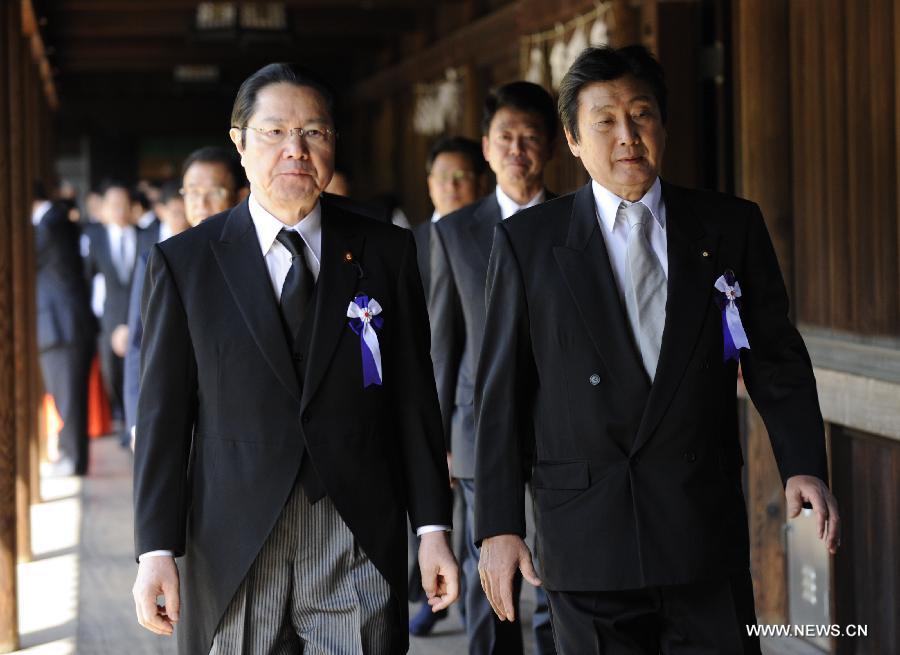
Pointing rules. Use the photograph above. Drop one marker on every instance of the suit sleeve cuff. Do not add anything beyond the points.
(429, 528)
(156, 553)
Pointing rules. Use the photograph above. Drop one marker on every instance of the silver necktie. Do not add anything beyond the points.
(645, 290)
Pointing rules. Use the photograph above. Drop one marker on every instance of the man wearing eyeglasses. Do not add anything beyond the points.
(211, 182)
(287, 419)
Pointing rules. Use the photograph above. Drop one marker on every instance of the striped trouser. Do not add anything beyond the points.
(311, 590)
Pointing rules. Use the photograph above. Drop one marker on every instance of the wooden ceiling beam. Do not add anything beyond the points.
(336, 23)
(137, 6)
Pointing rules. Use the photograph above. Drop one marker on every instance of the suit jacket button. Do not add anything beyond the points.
(594, 379)
(690, 456)
(305, 418)
(298, 357)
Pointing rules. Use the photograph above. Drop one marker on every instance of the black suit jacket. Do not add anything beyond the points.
(99, 260)
(460, 251)
(635, 484)
(223, 419)
(64, 315)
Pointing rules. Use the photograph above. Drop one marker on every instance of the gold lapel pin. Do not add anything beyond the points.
(705, 253)
(348, 256)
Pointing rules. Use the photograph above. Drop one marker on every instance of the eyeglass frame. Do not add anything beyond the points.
(331, 133)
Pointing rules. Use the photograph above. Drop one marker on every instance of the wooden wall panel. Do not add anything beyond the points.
(867, 570)
(844, 127)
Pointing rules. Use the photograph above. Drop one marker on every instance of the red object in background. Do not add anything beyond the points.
(99, 414)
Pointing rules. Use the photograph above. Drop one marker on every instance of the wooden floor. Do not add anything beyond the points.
(75, 597)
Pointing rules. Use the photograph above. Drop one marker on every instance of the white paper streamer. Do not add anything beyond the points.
(732, 315)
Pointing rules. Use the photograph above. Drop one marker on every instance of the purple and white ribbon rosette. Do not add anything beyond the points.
(363, 313)
(732, 329)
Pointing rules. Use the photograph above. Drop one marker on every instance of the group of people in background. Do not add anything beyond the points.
(90, 266)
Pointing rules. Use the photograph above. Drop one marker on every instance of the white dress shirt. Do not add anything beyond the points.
(508, 206)
(615, 230)
(165, 231)
(119, 236)
(278, 258)
(278, 262)
(435, 216)
(40, 211)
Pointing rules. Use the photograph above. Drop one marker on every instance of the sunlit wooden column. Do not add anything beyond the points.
(9, 22)
(23, 122)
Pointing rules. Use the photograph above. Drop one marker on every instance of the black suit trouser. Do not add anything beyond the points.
(65, 370)
(703, 618)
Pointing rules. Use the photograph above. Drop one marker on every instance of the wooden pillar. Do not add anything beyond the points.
(9, 34)
(763, 173)
(762, 123)
(22, 79)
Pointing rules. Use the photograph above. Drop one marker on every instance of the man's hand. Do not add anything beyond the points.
(119, 340)
(157, 576)
(440, 572)
(810, 489)
(500, 557)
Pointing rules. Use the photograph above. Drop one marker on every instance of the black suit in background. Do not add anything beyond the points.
(460, 252)
(66, 328)
(99, 259)
(225, 418)
(637, 486)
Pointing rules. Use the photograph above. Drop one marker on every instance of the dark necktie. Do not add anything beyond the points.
(298, 285)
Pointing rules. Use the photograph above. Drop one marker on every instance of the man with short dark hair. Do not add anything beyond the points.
(616, 318)
(518, 131)
(287, 420)
(454, 168)
(112, 250)
(65, 326)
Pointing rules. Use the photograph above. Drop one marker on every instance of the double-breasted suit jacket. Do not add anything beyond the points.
(225, 420)
(635, 483)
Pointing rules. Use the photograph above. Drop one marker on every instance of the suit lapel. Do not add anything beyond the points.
(481, 231)
(243, 267)
(339, 280)
(585, 266)
(689, 290)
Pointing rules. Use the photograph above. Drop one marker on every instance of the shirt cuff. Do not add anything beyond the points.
(156, 553)
(432, 528)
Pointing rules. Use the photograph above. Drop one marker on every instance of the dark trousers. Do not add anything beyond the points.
(113, 368)
(65, 370)
(703, 618)
(486, 633)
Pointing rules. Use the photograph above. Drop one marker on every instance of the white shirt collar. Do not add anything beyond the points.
(608, 204)
(40, 211)
(508, 206)
(268, 227)
(435, 217)
(146, 219)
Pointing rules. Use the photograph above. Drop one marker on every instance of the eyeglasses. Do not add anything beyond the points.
(213, 193)
(275, 136)
(454, 176)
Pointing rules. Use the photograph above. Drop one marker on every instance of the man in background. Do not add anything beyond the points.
(66, 327)
(519, 127)
(454, 170)
(212, 180)
(112, 250)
